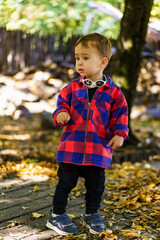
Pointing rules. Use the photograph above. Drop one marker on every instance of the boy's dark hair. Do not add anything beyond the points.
(102, 43)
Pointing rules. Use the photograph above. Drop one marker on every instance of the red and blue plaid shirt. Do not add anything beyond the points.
(85, 137)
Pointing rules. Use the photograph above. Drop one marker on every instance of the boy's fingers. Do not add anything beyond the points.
(60, 119)
(110, 143)
(113, 146)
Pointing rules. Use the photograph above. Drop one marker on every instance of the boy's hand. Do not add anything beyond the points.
(63, 118)
(116, 142)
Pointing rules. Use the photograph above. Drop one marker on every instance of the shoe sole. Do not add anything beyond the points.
(90, 229)
(60, 232)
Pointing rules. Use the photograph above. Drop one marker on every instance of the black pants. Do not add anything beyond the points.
(68, 176)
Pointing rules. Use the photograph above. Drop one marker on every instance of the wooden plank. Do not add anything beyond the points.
(25, 219)
(39, 207)
(20, 196)
(9, 182)
(30, 205)
(37, 227)
(11, 233)
(8, 238)
(13, 184)
(33, 205)
(18, 205)
(44, 235)
(34, 227)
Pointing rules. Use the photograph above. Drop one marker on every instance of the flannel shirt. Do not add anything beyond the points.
(85, 137)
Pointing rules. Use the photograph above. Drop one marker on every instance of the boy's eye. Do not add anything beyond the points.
(86, 58)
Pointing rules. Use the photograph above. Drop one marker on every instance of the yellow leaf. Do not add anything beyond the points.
(75, 189)
(37, 215)
(108, 231)
(107, 202)
(112, 186)
(72, 215)
(147, 238)
(139, 228)
(148, 198)
(110, 223)
(53, 184)
(83, 206)
(36, 188)
(152, 185)
(110, 208)
(77, 194)
(3, 194)
(130, 234)
(108, 235)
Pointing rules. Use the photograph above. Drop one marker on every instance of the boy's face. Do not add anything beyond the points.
(89, 62)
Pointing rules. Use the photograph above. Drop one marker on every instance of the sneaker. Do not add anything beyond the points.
(61, 224)
(94, 222)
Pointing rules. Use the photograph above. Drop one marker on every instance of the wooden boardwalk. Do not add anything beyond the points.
(18, 200)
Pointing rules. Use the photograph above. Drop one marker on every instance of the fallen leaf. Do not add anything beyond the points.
(157, 216)
(24, 207)
(13, 224)
(107, 202)
(72, 215)
(75, 189)
(3, 194)
(78, 194)
(110, 223)
(138, 227)
(37, 215)
(83, 206)
(36, 188)
(107, 234)
(146, 238)
(53, 184)
(130, 234)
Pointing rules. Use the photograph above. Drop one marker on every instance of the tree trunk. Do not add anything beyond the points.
(129, 47)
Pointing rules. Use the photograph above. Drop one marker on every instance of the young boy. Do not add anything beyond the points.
(94, 112)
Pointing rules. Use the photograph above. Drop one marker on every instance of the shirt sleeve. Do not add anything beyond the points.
(63, 105)
(119, 117)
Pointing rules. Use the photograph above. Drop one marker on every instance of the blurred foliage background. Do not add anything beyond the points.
(59, 16)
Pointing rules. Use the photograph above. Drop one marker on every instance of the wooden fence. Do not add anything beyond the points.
(19, 50)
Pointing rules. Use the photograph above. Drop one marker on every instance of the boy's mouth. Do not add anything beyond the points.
(80, 70)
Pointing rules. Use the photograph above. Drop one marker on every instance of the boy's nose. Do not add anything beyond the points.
(80, 62)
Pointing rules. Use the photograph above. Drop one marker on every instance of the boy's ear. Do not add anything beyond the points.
(104, 62)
